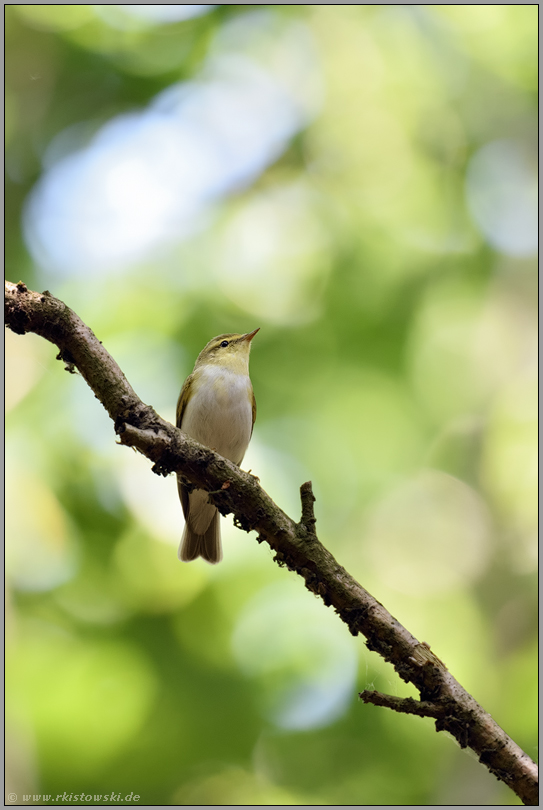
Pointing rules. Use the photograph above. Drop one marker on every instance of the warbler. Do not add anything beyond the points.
(216, 407)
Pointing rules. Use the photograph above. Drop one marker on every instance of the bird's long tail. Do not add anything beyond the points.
(207, 545)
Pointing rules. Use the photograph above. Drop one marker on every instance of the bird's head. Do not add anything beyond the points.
(228, 351)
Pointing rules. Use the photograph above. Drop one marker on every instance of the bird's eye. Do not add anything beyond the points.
(224, 344)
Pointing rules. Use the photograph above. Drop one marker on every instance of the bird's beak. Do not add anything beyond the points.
(250, 335)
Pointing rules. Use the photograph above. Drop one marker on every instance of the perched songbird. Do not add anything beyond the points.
(217, 408)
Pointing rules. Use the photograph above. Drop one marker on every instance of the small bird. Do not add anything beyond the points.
(216, 407)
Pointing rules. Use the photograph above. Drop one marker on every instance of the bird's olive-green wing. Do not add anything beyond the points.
(184, 397)
(253, 403)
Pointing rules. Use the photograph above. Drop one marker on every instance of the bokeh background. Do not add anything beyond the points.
(360, 183)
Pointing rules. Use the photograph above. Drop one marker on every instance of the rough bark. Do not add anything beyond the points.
(295, 544)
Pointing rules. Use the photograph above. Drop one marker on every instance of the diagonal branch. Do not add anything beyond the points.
(296, 545)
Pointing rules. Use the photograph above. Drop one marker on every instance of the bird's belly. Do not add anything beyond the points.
(220, 416)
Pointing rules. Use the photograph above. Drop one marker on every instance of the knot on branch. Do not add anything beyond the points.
(423, 655)
(68, 360)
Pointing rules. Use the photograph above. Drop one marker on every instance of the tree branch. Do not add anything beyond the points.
(422, 708)
(296, 545)
(308, 511)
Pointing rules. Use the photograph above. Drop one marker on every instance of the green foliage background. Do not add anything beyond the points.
(395, 368)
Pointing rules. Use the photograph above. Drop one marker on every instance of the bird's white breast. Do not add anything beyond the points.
(219, 412)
